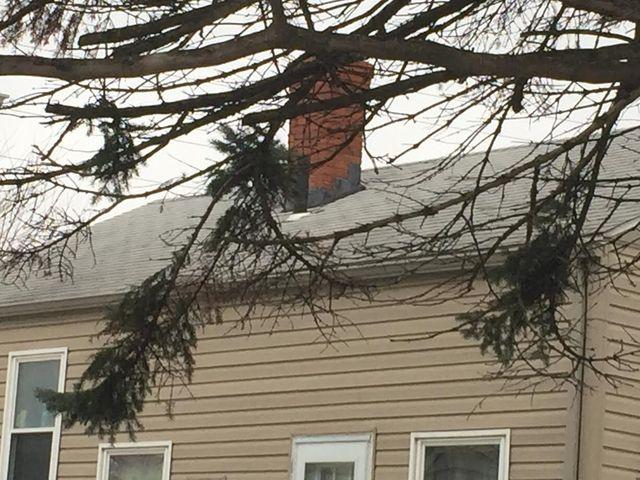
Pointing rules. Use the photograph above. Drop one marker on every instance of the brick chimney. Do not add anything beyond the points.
(328, 144)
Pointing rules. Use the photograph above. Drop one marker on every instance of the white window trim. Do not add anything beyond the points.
(106, 450)
(420, 440)
(365, 439)
(15, 358)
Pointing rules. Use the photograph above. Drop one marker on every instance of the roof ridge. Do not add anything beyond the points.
(443, 157)
(384, 168)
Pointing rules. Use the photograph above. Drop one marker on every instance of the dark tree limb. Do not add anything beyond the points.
(619, 9)
(600, 65)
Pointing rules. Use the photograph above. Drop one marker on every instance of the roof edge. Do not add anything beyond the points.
(425, 268)
(16, 310)
(405, 271)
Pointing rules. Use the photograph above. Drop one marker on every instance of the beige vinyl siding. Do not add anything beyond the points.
(251, 393)
(621, 429)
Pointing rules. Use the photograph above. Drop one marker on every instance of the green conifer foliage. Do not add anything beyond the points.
(152, 333)
(531, 286)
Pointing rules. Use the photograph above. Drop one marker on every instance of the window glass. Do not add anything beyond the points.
(329, 471)
(136, 467)
(30, 456)
(29, 411)
(462, 462)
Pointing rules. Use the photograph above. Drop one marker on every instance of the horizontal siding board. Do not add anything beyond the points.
(622, 458)
(612, 472)
(418, 372)
(623, 404)
(538, 470)
(621, 422)
(80, 448)
(244, 450)
(314, 415)
(622, 440)
(523, 437)
(308, 337)
(473, 395)
(171, 431)
(209, 371)
(621, 471)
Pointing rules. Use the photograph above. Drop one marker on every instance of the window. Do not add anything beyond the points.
(31, 434)
(470, 455)
(332, 457)
(134, 461)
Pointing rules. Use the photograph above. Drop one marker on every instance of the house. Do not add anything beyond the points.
(274, 405)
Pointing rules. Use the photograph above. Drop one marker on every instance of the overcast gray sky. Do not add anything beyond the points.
(21, 131)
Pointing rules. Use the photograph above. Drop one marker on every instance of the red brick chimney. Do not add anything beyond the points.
(330, 142)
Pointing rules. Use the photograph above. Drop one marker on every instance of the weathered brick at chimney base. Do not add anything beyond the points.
(331, 141)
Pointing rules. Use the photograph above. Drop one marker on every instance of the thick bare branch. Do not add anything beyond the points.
(381, 93)
(619, 9)
(76, 70)
(116, 35)
(598, 65)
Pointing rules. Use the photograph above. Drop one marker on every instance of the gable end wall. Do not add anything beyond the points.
(252, 393)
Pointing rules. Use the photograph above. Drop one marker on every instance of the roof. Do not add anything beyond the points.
(128, 248)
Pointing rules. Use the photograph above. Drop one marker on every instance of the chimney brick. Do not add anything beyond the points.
(331, 141)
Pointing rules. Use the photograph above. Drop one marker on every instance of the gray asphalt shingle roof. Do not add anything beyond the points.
(131, 246)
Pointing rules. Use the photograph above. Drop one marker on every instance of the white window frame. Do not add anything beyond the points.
(356, 448)
(421, 440)
(15, 359)
(107, 450)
